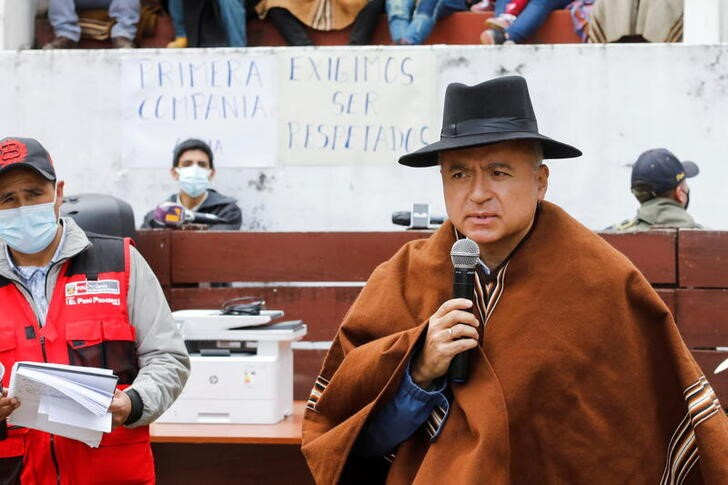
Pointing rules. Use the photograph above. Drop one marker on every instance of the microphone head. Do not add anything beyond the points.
(169, 214)
(465, 253)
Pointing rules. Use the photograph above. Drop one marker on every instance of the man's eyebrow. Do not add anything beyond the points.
(456, 166)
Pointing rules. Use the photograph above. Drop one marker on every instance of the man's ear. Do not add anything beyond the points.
(542, 179)
(59, 197)
(212, 174)
(174, 173)
(680, 194)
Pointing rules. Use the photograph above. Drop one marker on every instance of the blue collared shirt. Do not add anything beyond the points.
(34, 279)
(403, 415)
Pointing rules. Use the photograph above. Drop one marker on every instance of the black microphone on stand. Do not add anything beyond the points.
(464, 254)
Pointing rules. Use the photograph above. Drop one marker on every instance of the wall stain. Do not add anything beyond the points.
(262, 183)
(253, 221)
(504, 71)
(460, 61)
(698, 90)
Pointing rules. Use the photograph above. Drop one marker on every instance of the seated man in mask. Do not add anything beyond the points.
(192, 167)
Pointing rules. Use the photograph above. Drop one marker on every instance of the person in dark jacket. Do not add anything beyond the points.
(192, 167)
(659, 182)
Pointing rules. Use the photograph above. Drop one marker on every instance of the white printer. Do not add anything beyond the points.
(241, 368)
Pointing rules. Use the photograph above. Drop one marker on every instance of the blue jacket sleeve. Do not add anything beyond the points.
(399, 418)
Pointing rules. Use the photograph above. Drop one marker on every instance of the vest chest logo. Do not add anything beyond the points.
(90, 292)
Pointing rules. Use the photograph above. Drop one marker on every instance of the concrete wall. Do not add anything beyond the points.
(17, 23)
(705, 21)
(612, 101)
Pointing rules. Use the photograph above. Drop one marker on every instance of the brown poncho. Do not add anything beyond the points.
(582, 376)
(318, 14)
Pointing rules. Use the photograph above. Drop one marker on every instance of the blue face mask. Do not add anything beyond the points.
(29, 229)
(193, 180)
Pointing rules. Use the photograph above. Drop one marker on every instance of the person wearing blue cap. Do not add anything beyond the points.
(659, 182)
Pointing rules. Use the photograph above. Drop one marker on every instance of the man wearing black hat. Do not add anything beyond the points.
(576, 372)
(193, 169)
(659, 182)
(68, 297)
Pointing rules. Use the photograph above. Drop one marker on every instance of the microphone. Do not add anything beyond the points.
(171, 214)
(464, 254)
(203, 217)
(4, 422)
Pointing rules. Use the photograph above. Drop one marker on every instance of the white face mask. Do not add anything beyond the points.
(29, 229)
(193, 180)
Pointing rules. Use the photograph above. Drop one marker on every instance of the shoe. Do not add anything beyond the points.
(493, 37)
(178, 43)
(502, 22)
(122, 43)
(481, 6)
(61, 43)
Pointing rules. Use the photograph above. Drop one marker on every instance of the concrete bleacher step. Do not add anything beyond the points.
(460, 28)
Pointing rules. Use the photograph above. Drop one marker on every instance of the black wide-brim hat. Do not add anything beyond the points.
(490, 112)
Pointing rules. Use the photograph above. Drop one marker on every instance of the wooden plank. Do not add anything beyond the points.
(708, 361)
(285, 432)
(321, 308)
(702, 317)
(653, 252)
(269, 256)
(154, 245)
(190, 463)
(703, 259)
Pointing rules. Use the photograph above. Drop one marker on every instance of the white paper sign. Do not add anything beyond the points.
(226, 99)
(355, 106)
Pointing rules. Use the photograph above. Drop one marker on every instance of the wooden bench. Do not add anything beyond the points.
(460, 28)
(316, 276)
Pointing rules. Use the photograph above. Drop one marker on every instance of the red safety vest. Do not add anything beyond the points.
(87, 324)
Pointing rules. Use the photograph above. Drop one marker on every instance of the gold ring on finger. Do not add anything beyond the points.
(449, 332)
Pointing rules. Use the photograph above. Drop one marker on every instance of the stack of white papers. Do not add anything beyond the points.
(65, 400)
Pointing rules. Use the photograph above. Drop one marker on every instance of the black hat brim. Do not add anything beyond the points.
(428, 156)
(37, 170)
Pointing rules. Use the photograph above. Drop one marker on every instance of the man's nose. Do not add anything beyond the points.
(480, 190)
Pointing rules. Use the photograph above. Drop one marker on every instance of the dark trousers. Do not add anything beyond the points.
(295, 32)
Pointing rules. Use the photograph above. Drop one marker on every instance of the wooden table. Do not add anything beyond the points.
(231, 453)
(286, 432)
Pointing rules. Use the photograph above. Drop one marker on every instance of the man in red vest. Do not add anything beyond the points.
(88, 300)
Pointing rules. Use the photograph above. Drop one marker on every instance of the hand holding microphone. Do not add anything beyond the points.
(453, 329)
